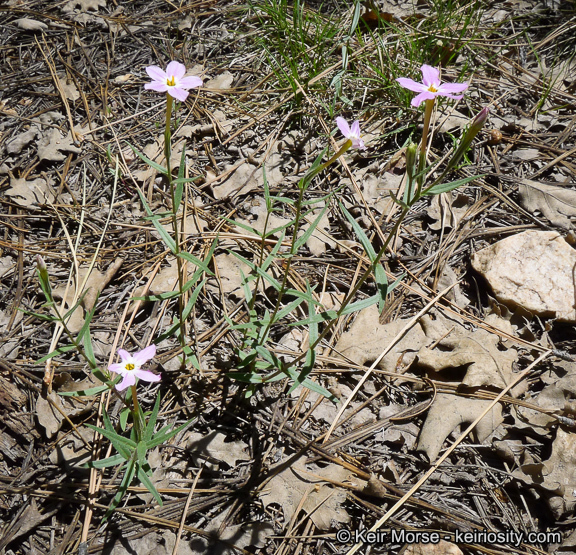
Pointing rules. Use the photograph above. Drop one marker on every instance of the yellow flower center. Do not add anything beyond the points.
(130, 366)
(171, 82)
(432, 89)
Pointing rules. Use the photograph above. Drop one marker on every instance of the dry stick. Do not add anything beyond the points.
(448, 452)
(185, 512)
(399, 336)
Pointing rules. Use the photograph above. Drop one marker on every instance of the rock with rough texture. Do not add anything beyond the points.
(534, 270)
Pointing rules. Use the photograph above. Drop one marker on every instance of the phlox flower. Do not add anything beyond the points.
(131, 367)
(431, 87)
(351, 133)
(172, 80)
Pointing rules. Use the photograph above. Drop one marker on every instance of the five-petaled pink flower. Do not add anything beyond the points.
(172, 80)
(351, 133)
(430, 87)
(130, 367)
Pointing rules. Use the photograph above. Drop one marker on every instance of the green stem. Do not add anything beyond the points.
(179, 261)
(137, 414)
(305, 180)
(424, 143)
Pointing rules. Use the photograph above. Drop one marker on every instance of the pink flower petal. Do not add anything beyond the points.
(129, 379)
(452, 88)
(176, 69)
(426, 95)
(147, 376)
(411, 85)
(190, 82)
(144, 355)
(124, 355)
(343, 126)
(359, 144)
(177, 93)
(156, 73)
(118, 368)
(430, 76)
(356, 129)
(156, 86)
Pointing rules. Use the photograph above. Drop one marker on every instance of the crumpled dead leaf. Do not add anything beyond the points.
(50, 411)
(53, 146)
(448, 209)
(248, 177)
(240, 535)
(69, 89)
(441, 548)
(85, 5)
(557, 475)
(487, 364)
(289, 487)
(214, 448)
(557, 203)
(30, 24)
(367, 338)
(449, 411)
(154, 543)
(30, 193)
(16, 145)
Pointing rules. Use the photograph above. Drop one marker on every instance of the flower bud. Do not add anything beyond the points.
(476, 124)
(411, 154)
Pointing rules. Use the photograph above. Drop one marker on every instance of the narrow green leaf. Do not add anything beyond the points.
(149, 485)
(151, 163)
(114, 460)
(196, 261)
(149, 431)
(168, 241)
(308, 233)
(124, 485)
(179, 185)
(446, 187)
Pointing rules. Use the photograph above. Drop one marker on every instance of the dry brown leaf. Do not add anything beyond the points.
(321, 500)
(54, 147)
(441, 548)
(214, 446)
(557, 475)
(487, 364)
(16, 145)
(153, 543)
(240, 535)
(533, 270)
(30, 24)
(248, 177)
(449, 411)
(85, 5)
(526, 154)
(448, 209)
(50, 411)
(222, 81)
(29, 193)
(556, 203)
(367, 338)
(69, 89)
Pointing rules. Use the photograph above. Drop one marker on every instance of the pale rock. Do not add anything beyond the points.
(533, 270)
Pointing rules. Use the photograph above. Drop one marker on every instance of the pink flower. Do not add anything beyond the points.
(430, 87)
(172, 80)
(352, 134)
(130, 367)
